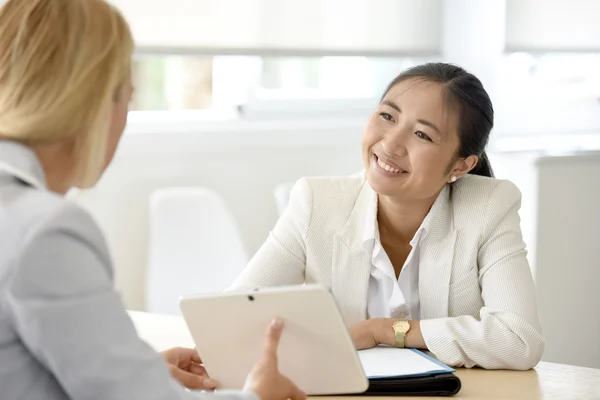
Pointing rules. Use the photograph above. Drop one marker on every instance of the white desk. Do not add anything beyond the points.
(548, 380)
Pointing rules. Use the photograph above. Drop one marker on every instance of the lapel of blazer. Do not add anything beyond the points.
(436, 259)
(351, 263)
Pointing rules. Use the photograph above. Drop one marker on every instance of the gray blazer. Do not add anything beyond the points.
(64, 333)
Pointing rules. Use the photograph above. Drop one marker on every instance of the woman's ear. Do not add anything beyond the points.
(462, 167)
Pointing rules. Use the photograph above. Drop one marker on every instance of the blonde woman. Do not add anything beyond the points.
(64, 94)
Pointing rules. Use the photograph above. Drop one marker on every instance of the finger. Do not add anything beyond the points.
(272, 339)
(193, 381)
(196, 357)
(198, 370)
(186, 357)
(296, 393)
(188, 354)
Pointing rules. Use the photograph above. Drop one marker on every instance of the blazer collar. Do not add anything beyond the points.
(352, 233)
(20, 161)
(442, 219)
(351, 263)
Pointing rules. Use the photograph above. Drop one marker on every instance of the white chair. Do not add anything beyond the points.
(194, 247)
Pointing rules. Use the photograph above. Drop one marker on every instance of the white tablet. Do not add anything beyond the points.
(316, 350)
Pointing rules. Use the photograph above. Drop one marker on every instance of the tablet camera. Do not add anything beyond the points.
(251, 298)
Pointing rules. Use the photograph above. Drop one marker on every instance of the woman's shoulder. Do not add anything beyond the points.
(472, 187)
(328, 185)
(327, 199)
(49, 237)
(40, 214)
(338, 190)
(484, 199)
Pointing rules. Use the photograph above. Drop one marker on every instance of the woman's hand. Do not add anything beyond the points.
(185, 366)
(265, 379)
(363, 334)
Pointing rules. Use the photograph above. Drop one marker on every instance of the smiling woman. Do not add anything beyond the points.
(424, 249)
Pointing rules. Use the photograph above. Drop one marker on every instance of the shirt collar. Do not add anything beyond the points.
(20, 161)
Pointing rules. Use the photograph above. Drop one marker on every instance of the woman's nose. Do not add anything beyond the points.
(395, 142)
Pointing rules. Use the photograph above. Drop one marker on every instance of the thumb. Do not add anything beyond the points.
(192, 381)
(272, 340)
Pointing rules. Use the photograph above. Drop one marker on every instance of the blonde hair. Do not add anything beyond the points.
(62, 65)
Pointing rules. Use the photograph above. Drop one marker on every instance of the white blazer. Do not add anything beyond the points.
(477, 296)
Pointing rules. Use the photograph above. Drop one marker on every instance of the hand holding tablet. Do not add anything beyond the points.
(315, 350)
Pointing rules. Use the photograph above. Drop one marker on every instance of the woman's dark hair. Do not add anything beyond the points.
(475, 111)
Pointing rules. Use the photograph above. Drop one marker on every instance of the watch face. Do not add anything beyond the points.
(401, 326)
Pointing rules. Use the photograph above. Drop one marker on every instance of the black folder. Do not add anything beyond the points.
(436, 379)
(446, 384)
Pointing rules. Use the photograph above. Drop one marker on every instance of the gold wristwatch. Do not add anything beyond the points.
(401, 327)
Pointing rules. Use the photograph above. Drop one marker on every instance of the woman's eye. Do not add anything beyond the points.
(422, 135)
(386, 116)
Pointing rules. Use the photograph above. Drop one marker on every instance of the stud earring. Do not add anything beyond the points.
(453, 179)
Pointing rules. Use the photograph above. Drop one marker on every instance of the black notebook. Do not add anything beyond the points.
(406, 372)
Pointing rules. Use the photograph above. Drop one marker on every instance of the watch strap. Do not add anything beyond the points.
(400, 336)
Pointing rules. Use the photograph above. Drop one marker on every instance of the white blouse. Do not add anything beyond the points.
(387, 296)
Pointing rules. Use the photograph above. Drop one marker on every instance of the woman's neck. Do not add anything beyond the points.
(57, 162)
(400, 219)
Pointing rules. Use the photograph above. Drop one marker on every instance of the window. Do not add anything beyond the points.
(574, 75)
(328, 77)
(255, 55)
(548, 81)
(187, 82)
(549, 93)
(172, 83)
